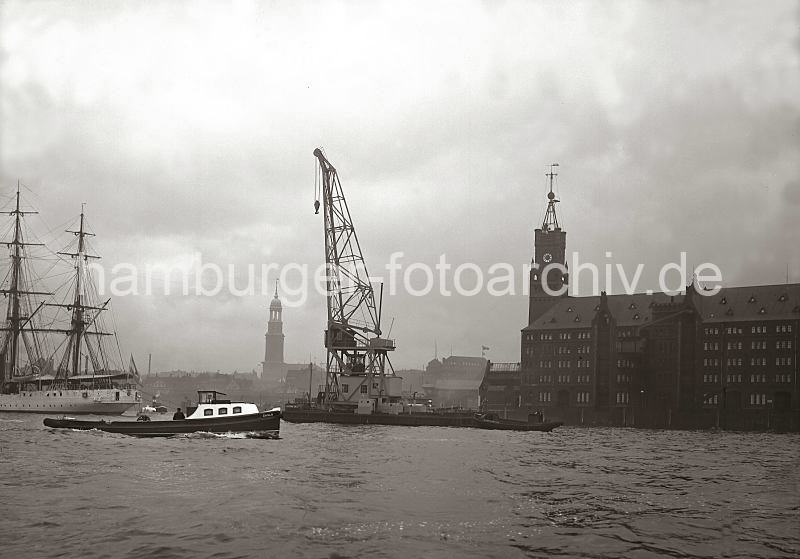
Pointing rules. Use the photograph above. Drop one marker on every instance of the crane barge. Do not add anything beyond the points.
(361, 386)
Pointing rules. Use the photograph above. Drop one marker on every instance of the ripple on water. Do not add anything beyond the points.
(328, 491)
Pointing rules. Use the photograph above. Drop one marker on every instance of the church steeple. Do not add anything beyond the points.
(273, 366)
(550, 249)
(276, 309)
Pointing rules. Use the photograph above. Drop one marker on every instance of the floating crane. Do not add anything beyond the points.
(353, 339)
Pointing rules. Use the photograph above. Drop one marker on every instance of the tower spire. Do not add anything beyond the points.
(276, 289)
(550, 222)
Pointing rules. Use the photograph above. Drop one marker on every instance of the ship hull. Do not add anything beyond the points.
(306, 415)
(91, 401)
(265, 424)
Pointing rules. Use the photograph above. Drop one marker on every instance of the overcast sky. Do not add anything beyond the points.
(188, 127)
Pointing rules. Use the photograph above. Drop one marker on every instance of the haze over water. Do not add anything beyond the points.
(372, 491)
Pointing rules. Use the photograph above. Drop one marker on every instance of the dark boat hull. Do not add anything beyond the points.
(306, 415)
(263, 422)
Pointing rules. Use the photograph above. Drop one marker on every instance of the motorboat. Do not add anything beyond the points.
(212, 415)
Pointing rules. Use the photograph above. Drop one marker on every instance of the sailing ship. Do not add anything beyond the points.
(44, 341)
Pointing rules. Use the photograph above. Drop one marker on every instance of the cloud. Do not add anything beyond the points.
(188, 127)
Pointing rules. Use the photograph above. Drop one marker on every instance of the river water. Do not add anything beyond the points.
(371, 491)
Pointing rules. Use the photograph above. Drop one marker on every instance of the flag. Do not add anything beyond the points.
(484, 348)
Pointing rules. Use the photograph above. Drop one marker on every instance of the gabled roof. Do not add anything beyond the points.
(731, 304)
(578, 312)
(759, 302)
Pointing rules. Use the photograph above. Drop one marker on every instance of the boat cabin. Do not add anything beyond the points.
(210, 405)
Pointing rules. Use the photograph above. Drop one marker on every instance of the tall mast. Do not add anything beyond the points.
(15, 316)
(79, 324)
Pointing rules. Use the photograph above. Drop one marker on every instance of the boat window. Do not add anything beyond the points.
(237, 409)
(222, 411)
(208, 412)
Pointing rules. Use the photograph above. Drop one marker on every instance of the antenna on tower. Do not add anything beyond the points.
(550, 218)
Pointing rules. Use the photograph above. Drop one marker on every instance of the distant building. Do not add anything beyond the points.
(297, 382)
(454, 381)
(413, 381)
(500, 389)
(274, 367)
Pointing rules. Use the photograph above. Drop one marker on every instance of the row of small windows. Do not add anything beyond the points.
(759, 329)
(583, 379)
(548, 336)
(623, 398)
(583, 363)
(222, 411)
(582, 397)
(753, 378)
(364, 388)
(758, 399)
(710, 346)
(711, 378)
(545, 379)
(783, 344)
(783, 361)
(626, 333)
(625, 364)
(584, 349)
(713, 399)
(544, 396)
(622, 377)
(563, 379)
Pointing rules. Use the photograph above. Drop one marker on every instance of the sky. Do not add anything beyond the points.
(188, 128)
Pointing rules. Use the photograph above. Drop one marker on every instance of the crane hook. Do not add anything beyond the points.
(316, 207)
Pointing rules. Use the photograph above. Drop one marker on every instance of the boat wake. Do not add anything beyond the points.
(244, 435)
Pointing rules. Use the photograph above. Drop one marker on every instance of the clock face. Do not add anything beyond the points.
(547, 257)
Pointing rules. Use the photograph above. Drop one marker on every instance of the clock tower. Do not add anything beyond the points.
(547, 280)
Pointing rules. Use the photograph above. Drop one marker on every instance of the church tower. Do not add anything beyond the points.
(273, 351)
(550, 248)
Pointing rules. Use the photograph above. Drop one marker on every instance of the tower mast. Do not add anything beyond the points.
(550, 221)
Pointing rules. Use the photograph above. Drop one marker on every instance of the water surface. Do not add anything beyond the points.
(380, 491)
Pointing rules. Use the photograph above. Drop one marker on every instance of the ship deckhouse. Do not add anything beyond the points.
(210, 405)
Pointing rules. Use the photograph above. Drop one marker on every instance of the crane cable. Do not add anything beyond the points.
(317, 181)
